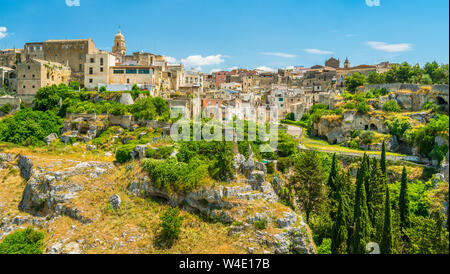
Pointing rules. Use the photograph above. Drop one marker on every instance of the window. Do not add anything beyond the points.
(128, 81)
(33, 86)
(24, 76)
(101, 69)
(92, 60)
(101, 61)
(24, 87)
(118, 71)
(131, 71)
(91, 71)
(29, 67)
(90, 81)
(80, 67)
(144, 71)
(33, 75)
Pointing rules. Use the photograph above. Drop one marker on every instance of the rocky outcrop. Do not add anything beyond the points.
(338, 129)
(49, 193)
(230, 204)
(83, 128)
(50, 138)
(25, 165)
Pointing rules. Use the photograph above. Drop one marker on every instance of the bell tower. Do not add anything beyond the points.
(119, 44)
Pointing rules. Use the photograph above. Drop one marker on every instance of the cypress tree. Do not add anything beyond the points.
(375, 193)
(403, 202)
(361, 235)
(386, 240)
(340, 232)
(333, 175)
(383, 159)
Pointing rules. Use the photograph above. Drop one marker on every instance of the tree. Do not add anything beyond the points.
(376, 78)
(386, 240)
(392, 106)
(308, 181)
(340, 227)
(383, 159)
(361, 235)
(375, 193)
(403, 202)
(354, 81)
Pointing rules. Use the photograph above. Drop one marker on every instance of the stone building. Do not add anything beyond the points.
(97, 69)
(333, 63)
(70, 53)
(8, 78)
(34, 50)
(34, 74)
(11, 57)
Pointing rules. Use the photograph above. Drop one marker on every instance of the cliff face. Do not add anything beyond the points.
(338, 129)
(96, 207)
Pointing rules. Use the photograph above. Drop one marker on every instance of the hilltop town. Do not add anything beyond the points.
(88, 158)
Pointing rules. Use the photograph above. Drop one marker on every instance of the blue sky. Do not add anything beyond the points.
(222, 34)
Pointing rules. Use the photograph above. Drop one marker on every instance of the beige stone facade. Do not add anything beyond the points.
(11, 57)
(97, 69)
(34, 74)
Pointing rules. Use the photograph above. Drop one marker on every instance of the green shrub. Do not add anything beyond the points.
(350, 105)
(353, 144)
(25, 241)
(283, 164)
(172, 175)
(28, 127)
(398, 126)
(5, 108)
(123, 153)
(367, 137)
(171, 222)
(431, 106)
(325, 247)
(362, 107)
(392, 106)
(260, 224)
(270, 167)
(102, 89)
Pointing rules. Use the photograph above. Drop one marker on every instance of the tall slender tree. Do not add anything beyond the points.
(403, 202)
(361, 235)
(375, 192)
(333, 185)
(340, 228)
(383, 159)
(386, 241)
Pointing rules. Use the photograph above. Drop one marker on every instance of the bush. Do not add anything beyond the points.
(353, 144)
(350, 106)
(430, 106)
(260, 224)
(270, 167)
(392, 106)
(171, 225)
(172, 175)
(367, 137)
(28, 127)
(5, 108)
(74, 85)
(123, 153)
(102, 89)
(325, 247)
(25, 241)
(398, 126)
(283, 164)
(362, 107)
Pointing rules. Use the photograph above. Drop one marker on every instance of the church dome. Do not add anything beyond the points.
(119, 35)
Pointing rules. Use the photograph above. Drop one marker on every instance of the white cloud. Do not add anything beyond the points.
(264, 68)
(171, 60)
(3, 32)
(278, 54)
(389, 47)
(232, 68)
(198, 60)
(318, 51)
(373, 3)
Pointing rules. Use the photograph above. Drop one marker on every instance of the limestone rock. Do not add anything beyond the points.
(115, 201)
(25, 166)
(50, 138)
(126, 99)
